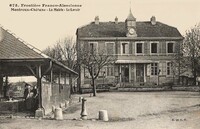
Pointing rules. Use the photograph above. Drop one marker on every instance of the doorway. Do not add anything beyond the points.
(125, 73)
(139, 73)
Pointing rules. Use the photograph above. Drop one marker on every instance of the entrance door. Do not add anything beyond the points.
(125, 73)
(139, 72)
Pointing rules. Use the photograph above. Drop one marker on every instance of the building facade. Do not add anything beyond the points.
(145, 51)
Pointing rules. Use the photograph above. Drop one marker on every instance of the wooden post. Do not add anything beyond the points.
(39, 85)
(70, 83)
(65, 78)
(1, 85)
(6, 86)
(51, 76)
(59, 82)
(39, 112)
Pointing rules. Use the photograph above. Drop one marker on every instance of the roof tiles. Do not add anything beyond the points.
(12, 48)
(143, 29)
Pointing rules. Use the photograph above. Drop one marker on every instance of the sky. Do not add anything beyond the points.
(43, 29)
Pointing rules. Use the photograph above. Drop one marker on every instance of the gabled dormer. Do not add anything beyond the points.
(130, 24)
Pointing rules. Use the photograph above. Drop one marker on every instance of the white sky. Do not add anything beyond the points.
(42, 29)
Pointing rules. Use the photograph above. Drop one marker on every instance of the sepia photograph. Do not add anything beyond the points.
(100, 64)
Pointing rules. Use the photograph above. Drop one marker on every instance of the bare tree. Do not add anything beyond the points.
(64, 51)
(54, 52)
(68, 50)
(94, 62)
(191, 50)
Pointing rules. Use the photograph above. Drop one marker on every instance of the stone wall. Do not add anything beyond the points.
(54, 95)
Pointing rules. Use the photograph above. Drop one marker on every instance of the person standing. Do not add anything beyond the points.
(27, 97)
(35, 98)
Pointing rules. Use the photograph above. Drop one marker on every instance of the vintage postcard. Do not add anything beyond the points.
(100, 64)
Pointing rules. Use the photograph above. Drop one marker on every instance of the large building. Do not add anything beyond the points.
(145, 51)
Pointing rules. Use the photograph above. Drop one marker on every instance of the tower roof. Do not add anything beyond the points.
(131, 17)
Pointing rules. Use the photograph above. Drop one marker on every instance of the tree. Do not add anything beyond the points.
(65, 52)
(94, 63)
(53, 52)
(191, 50)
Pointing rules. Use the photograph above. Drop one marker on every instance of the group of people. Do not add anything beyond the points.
(31, 97)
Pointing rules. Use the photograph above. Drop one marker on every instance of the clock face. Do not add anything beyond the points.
(131, 31)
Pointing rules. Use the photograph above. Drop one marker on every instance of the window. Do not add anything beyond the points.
(139, 47)
(110, 48)
(169, 68)
(93, 47)
(110, 70)
(154, 69)
(170, 47)
(154, 47)
(125, 48)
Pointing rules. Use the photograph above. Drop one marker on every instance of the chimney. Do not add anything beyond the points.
(96, 20)
(153, 20)
(116, 20)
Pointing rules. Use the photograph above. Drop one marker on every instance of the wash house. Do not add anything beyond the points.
(18, 58)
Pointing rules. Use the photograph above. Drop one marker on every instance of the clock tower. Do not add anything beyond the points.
(130, 24)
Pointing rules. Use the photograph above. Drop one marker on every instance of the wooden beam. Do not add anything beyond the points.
(49, 68)
(32, 71)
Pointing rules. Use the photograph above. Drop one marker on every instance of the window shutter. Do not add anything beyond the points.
(110, 48)
(176, 47)
(101, 46)
(86, 46)
(87, 74)
(164, 68)
(127, 48)
(130, 48)
(164, 49)
(148, 69)
(133, 48)
(95, 47)
(160, 67)
(114, 48)
(116, 68)
(145, 48)
(160, 47)
(118, 48)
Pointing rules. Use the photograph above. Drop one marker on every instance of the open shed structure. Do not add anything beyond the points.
(18, 58)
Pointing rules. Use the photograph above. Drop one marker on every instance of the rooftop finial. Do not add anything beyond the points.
(130, 6)
(130, 16)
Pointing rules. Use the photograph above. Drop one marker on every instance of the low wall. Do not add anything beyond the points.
(186, 88)
(54, 95)
(12, 106)
(90, 90)
(142, 89)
